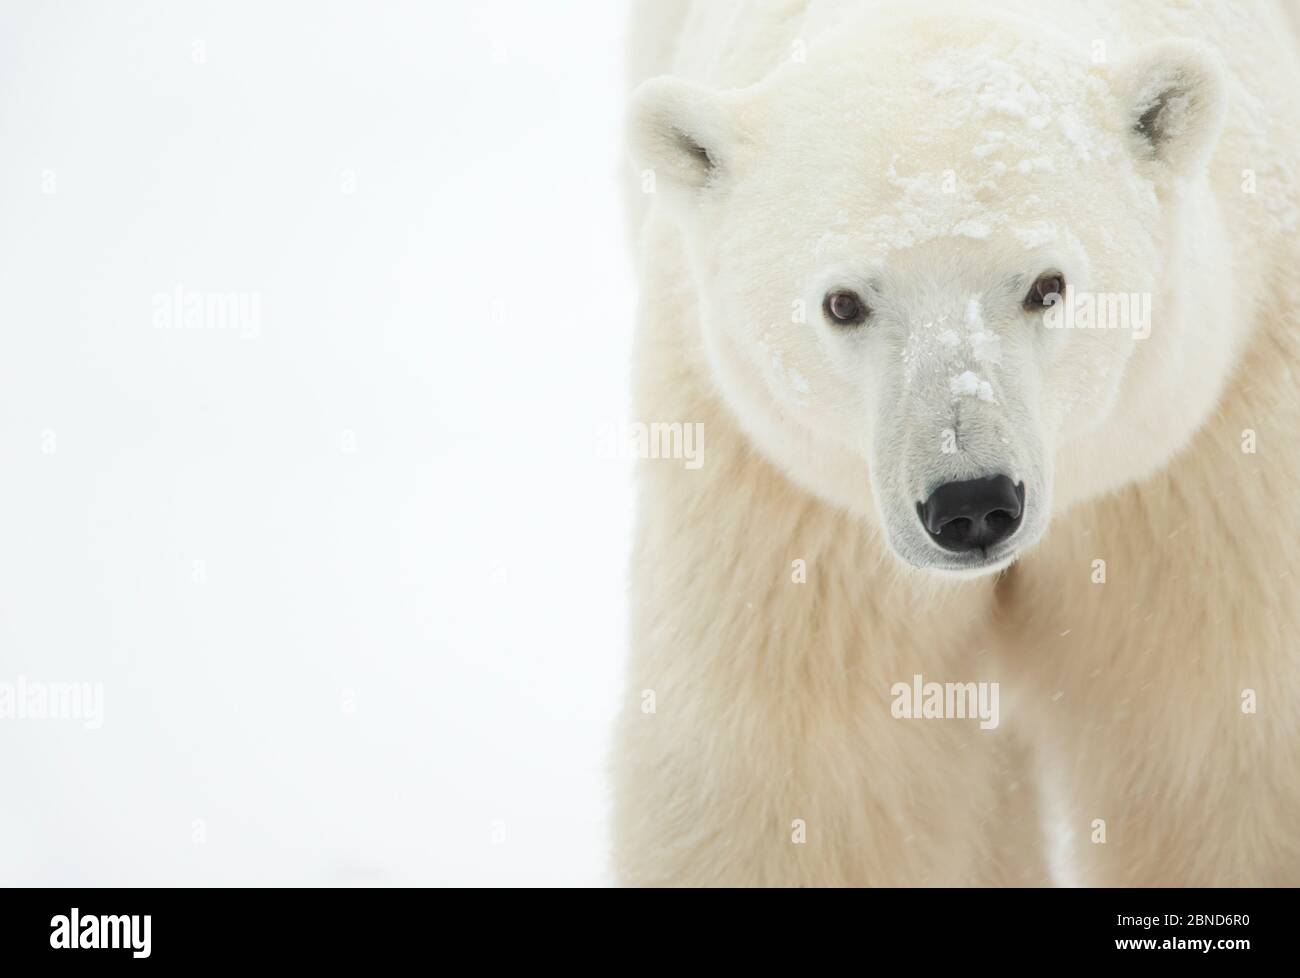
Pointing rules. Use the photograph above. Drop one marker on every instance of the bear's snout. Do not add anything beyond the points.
(974, 514)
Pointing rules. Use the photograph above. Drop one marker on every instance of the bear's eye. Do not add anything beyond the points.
(1046, 291)
(844, 308)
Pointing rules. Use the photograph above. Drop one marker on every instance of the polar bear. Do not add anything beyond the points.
(989, 315)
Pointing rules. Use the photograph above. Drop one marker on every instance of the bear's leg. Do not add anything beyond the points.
(1014, 849)
(755, 792)
(1135, 815)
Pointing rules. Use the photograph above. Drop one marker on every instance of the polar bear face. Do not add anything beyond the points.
(925, 272)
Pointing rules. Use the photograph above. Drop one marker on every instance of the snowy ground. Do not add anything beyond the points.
(347, 567)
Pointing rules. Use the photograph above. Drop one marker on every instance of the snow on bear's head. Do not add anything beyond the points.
(882, 232)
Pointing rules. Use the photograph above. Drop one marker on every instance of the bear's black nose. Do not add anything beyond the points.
(974, 514)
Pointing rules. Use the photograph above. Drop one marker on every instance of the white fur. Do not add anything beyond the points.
(935, 158)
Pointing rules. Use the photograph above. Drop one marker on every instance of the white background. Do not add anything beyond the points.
(352, 582)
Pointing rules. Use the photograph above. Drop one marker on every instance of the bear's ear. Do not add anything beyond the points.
(1174, 95)
(682, 133)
